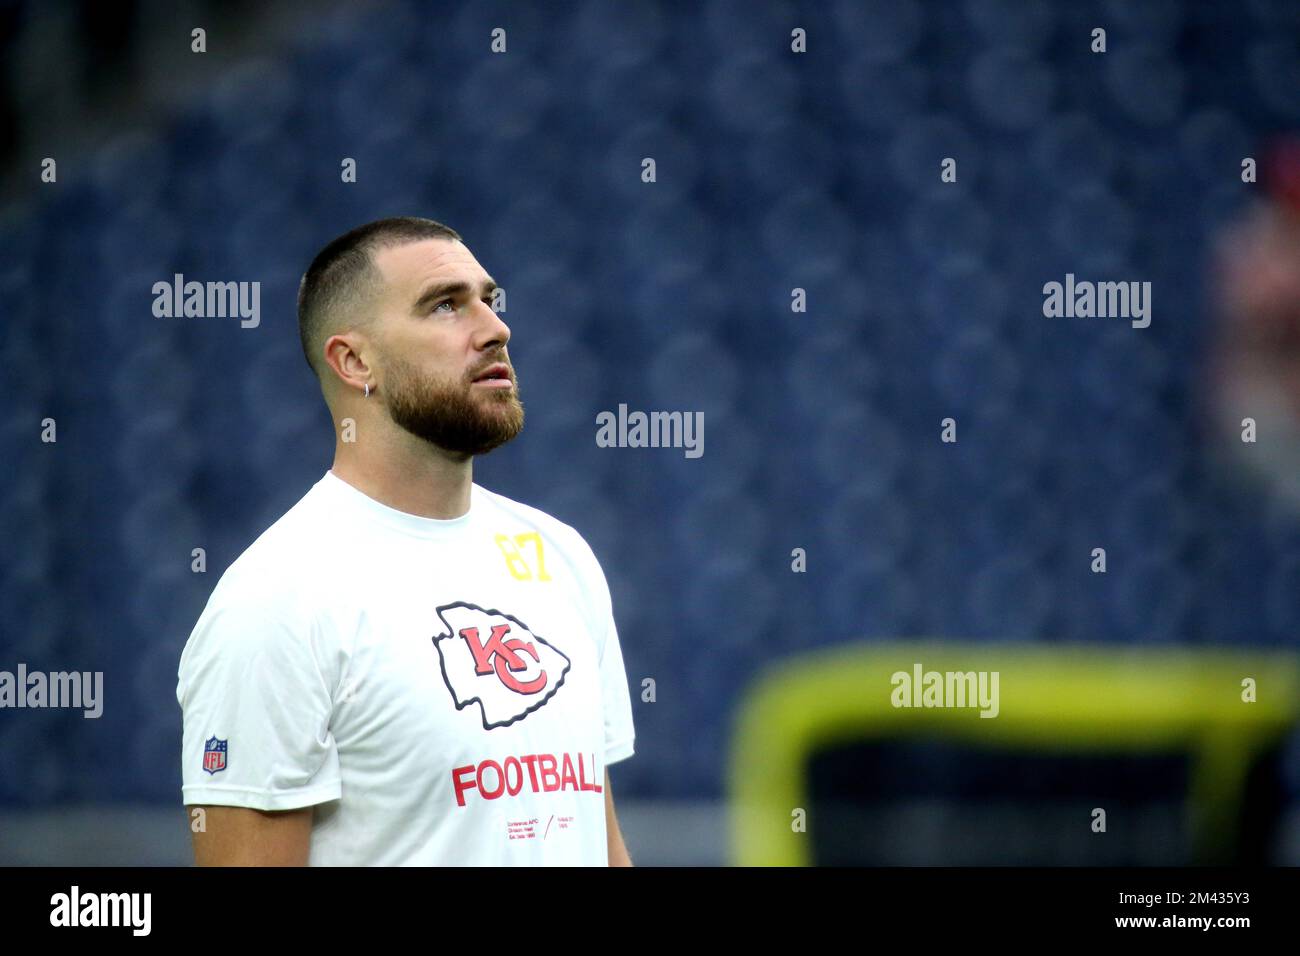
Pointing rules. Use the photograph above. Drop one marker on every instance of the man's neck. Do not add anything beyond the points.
(408, 474)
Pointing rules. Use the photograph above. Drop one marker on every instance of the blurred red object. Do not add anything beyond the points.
(1255, 356)
(1281, 171)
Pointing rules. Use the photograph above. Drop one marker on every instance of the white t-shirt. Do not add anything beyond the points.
(444, 692)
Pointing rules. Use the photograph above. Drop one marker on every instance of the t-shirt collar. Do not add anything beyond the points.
(367, 507)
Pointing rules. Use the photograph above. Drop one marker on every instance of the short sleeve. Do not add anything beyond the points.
(255, 691)
(620, 734)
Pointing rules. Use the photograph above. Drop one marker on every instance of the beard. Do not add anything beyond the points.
(449, 413)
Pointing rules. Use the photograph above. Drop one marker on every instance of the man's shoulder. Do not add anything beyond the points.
(547, 524)
(574, 550)
(285, 560)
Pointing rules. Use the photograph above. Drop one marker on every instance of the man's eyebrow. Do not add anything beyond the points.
(442, 290)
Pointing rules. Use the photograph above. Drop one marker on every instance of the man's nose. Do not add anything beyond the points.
(493, 329)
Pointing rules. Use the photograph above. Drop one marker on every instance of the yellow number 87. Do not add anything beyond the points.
(519, 568)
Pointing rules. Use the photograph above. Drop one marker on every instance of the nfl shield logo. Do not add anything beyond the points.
(214, 755)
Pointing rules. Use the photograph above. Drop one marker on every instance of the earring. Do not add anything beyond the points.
(367, 389)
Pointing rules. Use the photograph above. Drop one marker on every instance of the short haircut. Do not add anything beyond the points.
(334, 291)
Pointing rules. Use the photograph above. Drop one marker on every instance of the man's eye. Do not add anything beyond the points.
(445, 302)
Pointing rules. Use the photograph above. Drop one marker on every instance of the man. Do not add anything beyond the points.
(407, 668)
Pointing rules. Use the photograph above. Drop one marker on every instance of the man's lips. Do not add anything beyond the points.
(496, 376)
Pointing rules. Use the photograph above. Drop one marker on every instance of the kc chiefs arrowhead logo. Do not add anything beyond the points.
(494, 659)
